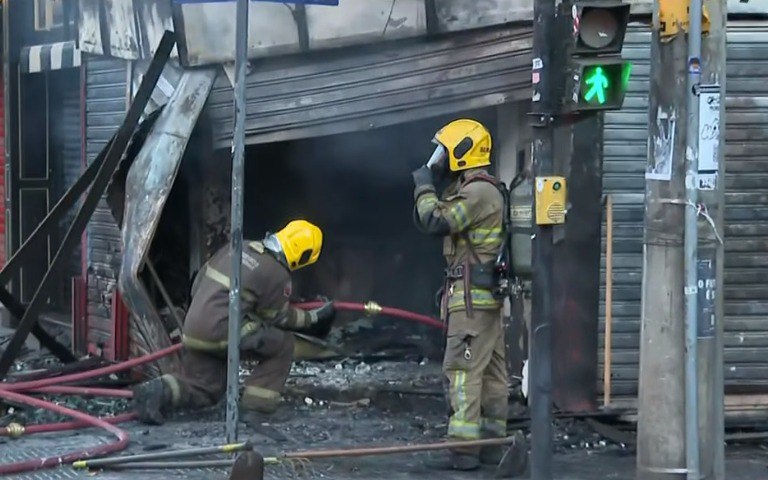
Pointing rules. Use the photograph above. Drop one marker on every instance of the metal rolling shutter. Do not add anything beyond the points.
(746, 257)
(2, 172)
(624, 177)
(746, 213)
(68, 126)
(344, 90)
(106, 94)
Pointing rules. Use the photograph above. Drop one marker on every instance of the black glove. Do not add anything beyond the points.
(327, 311)
(322, 320)
(422, 176)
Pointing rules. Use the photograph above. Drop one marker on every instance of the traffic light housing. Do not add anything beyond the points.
(596, 74)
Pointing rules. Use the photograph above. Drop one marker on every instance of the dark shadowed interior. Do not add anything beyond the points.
(357, 187)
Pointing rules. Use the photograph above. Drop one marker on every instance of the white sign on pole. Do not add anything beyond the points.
(709, 136)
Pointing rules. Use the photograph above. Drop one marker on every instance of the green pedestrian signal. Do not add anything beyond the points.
(596, 76)
(598, 84)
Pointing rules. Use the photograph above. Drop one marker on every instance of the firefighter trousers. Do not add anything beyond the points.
(202, 379)
(475, 366)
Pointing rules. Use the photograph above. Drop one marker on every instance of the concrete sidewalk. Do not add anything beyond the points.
(304, 427)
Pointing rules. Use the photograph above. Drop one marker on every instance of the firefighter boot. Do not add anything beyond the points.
(150, 399)
(455, 460)
(248, 466)
(261, 423)
(491, 455)
(514, 461)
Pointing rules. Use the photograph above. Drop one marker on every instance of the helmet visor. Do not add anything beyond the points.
(439, 154)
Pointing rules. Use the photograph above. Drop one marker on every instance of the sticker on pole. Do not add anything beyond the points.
(709, 137)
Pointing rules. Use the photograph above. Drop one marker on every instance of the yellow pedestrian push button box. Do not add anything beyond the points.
(551, 195)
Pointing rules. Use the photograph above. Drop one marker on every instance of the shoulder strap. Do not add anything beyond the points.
(481, 177)
(484, 177)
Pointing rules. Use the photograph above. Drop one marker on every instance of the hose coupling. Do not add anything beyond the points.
(372, 308)
(15, 430)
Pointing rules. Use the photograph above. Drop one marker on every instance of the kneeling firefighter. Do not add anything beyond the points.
(265, 334)
(470, 217)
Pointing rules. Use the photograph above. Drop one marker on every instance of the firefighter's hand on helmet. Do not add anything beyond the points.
(422, 176)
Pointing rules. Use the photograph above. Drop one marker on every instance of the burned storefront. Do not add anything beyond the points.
(42, 133)
(332, 136)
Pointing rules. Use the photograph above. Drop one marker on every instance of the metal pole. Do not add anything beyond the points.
(691, 245)
(236, 225)
(544, 30)
(710, 348)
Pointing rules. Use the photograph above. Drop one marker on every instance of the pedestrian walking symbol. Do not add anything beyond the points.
(598, 83)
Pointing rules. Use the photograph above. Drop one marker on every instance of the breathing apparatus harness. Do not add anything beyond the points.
(497, 275)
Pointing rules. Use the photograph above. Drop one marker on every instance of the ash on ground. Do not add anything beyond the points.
(350, 375)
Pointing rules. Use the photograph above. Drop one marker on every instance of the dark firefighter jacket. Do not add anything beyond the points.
(265, 289)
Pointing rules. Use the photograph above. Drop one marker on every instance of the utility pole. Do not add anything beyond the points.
(544, 33)
(712, 166)
(236, 229)
(661, 396)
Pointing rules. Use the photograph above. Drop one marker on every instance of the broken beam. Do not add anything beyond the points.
(67, 201)
(104, 175)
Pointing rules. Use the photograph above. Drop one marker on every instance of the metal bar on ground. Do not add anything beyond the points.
(312, 454)
(95, 193)
(189, 452)
(608, 340)
(236, 221)
(691, 245)
(540, 402)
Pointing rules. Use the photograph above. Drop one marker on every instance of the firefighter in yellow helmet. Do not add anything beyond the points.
(265, 334)
(470, 217)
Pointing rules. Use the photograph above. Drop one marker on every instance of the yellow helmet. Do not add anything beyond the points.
(301, 242)
(468, 144)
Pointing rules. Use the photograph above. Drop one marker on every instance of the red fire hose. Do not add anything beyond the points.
(372, 308)
(84, 391)
(18, 431)
(37, 464)
(82, 420)
(8, 392)
(77, 377)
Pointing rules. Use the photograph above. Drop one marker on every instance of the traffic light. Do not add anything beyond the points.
(597, 75)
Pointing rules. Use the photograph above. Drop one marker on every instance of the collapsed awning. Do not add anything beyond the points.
(148, 183)
(51, 56)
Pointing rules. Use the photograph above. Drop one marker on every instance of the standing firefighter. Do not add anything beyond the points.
(265, 334)
(470, 218)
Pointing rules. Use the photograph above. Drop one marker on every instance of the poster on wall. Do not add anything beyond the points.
(662, 146)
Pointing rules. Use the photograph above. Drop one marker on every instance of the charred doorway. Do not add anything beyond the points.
(357, 187)
(49, 162)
